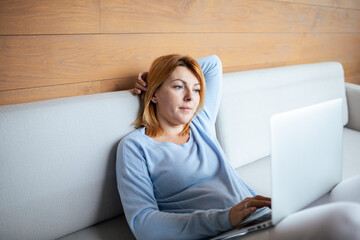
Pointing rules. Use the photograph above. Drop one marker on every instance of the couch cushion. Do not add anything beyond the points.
(351, 153)
(258, 174)
(112, 229)
(251, 97)
(353, 98)
(57, 168)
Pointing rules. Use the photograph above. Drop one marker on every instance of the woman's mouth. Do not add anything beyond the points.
(186, 108)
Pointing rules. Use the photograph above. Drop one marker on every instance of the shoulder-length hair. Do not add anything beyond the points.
(160, 70)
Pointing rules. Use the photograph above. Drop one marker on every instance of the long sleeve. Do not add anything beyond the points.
(212, 70)
(141, 208)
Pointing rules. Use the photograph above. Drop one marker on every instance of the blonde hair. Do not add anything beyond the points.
(160, 70)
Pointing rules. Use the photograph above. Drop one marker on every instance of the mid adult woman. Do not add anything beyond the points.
(175, 181)
(173, 177)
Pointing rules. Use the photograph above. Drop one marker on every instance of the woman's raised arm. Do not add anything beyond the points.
(212, 70)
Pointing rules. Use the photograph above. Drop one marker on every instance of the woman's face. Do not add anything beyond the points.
(177, 98)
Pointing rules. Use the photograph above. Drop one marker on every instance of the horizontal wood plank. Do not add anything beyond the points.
(351, 4)
(247, 16)
(65, 90)
(49, 17)
(351, 68)
(123, 16)
(35, 61)
(48, 92)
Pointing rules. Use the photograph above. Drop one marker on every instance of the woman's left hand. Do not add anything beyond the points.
(245, 208)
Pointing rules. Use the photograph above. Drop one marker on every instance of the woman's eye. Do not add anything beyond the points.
(197, 90)
(178, 86)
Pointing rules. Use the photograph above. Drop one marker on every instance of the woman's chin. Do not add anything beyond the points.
(184, 121)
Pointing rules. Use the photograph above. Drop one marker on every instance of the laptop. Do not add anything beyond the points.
(306, 162)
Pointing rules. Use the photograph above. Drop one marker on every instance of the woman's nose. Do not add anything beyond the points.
(188, 95)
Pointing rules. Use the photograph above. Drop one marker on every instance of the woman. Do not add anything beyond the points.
(173, 177)
(175, 181)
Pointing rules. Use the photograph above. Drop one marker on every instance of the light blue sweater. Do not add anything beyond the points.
(171, 191)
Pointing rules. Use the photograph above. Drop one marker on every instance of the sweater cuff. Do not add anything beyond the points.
(225, 219)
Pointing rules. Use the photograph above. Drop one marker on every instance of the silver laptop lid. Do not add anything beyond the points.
(306, 156)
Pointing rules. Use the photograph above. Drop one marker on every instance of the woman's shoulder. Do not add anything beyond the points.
(131, 147)
(134, 138)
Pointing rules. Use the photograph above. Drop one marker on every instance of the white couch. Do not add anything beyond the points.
(57, 157)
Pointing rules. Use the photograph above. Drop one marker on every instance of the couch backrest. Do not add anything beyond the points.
(57, 163)
(57, 157)
(251, 97)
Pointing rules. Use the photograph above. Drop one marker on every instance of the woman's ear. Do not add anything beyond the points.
(153, 99)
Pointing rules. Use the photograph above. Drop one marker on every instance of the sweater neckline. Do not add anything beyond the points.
(170, 144)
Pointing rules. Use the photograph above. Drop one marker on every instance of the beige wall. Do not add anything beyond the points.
(58, 48)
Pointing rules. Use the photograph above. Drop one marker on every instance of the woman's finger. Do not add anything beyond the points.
(259, 197)
(142, 78)
(141, 82)
(137, 91)
(140, 87)
(246, 213)
(257, 203)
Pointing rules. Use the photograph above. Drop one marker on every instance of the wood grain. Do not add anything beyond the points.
(49, 17)
(61, 48)
(66, 90)
(351, 68)
(34, 61)
(142, 16)
(350, 4)
(48, 92)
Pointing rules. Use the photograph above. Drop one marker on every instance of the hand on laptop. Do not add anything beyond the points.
(245, 208)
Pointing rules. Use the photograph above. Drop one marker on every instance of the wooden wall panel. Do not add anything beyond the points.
(64, 90)
(352, 75)
(49, 17)
(352, 70)
(350, 4)
(34, 61)
(59, 48)
(123, 16)
(48, 92)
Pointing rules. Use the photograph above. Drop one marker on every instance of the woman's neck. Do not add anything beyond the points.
(172, 135)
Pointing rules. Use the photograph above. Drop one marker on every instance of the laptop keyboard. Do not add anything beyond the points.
(263, 218)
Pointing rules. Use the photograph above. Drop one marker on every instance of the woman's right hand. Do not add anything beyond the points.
(245, 208)
(140, 84)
